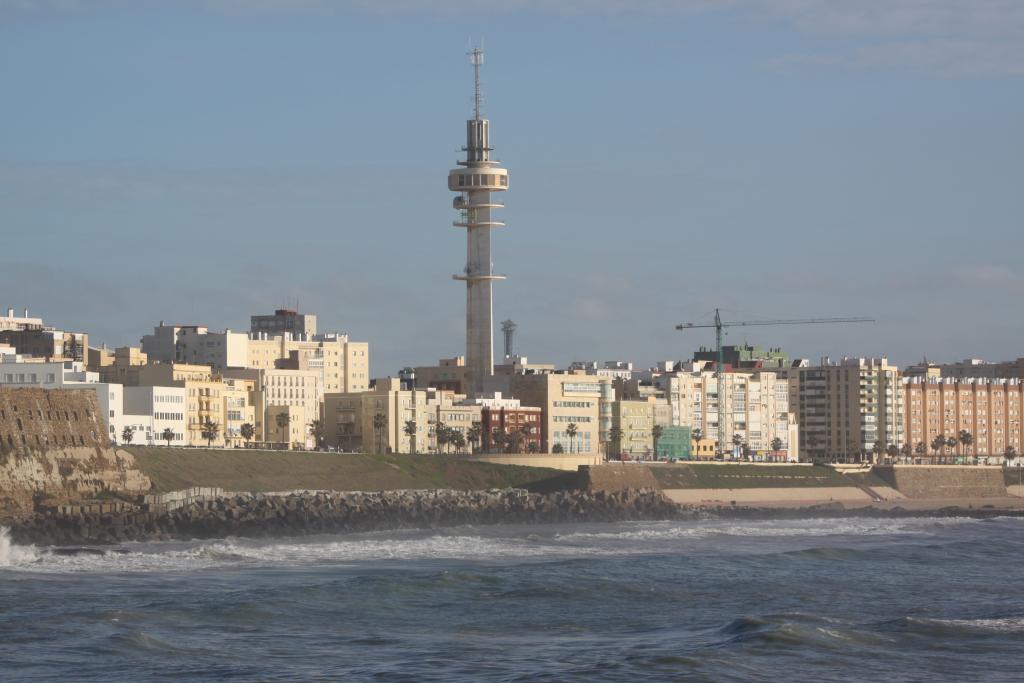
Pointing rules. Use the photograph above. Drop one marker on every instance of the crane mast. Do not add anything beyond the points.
(719, 377)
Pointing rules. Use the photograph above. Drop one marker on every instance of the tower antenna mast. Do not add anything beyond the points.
(476, 58)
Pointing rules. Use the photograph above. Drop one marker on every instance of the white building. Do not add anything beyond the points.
(153, 410)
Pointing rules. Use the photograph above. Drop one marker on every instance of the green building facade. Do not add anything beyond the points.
(674, 443)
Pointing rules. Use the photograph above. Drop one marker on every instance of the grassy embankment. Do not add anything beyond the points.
(171, 469)
(746, 476)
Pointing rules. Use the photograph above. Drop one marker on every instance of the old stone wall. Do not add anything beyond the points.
(54, 447)
(915, 481)
(37, 420)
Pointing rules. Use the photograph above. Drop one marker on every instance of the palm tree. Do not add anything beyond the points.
(473, 434)
(656, 432)
(966, 439)
(127, 434)
(167, 435)
(906, 450)
(524, 433)
(410, 431)
(571, 430)
(247, 431)
(921, 448)
(380, 423)
(443, 436)
(316, 430)
(283, 420)
(499, 438)
(736, 441)
(615, 437)
(937, 443)
(776, 444)
(210, 431)
(458, 440)
(877, 449)
(951, 443)
(893, 451)
(1009, 454)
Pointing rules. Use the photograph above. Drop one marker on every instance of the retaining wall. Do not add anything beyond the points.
(950, 481)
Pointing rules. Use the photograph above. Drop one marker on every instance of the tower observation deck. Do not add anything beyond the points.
(475, 180)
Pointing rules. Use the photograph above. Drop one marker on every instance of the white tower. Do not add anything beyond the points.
(477, 178)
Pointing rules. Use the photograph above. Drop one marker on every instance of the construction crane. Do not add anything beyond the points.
(719, 326)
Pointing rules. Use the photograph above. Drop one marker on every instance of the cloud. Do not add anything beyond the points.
(947, 38)
(988, 277)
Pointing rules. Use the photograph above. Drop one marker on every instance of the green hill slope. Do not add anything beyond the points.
(171, 469)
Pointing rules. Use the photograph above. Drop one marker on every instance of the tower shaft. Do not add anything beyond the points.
(477, 178)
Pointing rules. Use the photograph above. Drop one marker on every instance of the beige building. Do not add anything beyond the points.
(344, 365)
(238, 410)
(566, 398)
(756, 408)
(990, 410)
(375, 420)
(635, 422)
(302, 391)
(846, 407)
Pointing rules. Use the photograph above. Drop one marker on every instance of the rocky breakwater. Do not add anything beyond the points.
(314, 512)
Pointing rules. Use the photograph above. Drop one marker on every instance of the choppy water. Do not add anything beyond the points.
(812, 600)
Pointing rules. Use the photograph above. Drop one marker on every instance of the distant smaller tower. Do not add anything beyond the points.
(509, 329)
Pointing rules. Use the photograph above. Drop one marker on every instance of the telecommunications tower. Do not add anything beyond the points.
(475, 180)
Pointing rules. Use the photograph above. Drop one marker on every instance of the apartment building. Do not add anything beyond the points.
(971, 367)
(284, 321)
(568, 399)
(502, 420)
(634, 420)
(375, 420)
(755, 410)
(344, 365)
(846, 407)
(989, 410)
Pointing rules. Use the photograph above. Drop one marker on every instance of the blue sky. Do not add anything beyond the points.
(196, 162)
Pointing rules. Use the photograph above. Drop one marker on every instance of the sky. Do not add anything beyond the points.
(196, 162)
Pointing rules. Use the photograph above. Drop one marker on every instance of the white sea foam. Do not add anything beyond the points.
(298, 552)
(1004, 625)
(493, 543)
(773, 528)
(12, 555)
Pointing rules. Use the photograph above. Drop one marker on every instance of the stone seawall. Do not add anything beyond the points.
(313, 512)
(916, 481)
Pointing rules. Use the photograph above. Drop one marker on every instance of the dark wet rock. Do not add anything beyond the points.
(309, 512)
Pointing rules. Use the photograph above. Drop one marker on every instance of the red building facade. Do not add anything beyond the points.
(512, 430)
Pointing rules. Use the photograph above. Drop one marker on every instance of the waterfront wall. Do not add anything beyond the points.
(556, 461)
(951, 481)
(313, 512)
(784, 484)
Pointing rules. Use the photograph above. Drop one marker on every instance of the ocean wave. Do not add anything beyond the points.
(849, 526)
(12, 555)
(1012, 624)
(173, 556)
(465, 543)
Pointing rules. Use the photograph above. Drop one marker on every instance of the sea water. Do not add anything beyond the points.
(914, 599)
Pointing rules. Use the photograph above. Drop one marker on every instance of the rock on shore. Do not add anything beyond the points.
(314, 512)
